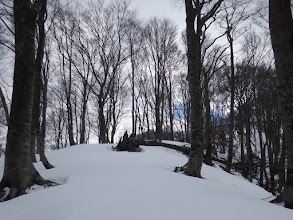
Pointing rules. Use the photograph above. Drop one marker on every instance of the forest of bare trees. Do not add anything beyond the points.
(97, 66)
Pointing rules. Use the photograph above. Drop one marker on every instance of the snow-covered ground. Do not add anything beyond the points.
(105, 185)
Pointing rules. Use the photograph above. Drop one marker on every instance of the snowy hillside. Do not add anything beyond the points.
(99, 184)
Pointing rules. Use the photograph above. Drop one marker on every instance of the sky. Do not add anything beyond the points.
(172, 9)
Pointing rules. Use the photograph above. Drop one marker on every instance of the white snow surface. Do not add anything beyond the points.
(100, 184)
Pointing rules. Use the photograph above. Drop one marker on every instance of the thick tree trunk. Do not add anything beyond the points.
(33, 142)
(19, 172)
(194, 164)
(281, 28)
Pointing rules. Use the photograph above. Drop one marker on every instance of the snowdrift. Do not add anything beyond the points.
(100, 184)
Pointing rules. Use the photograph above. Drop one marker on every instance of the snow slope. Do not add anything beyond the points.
(100, 184)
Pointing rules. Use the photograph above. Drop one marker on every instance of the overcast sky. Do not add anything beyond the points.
(162, 9)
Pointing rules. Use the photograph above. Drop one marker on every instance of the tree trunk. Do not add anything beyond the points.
(41, 131)
(69, 108)
(157, 109)
(232, 91)
(19, 172)
(102, 123)
(171, 115)
(194, 71)
(282, 165)
(241, 134)
(281, 28)
(4, 105)
(187, 122)
(36, 112)
(42, 135)
(132, 89)
(248, 144)
(208, 135)
(33, 142)
(262, 148)
(271, 166)
(70, 122)
(83, 113)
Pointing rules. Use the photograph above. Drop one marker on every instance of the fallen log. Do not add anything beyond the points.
(183, 149)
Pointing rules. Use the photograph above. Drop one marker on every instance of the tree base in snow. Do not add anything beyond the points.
(8, 192)
(189, 170)
(130, 144)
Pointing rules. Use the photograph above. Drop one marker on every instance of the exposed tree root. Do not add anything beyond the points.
(180, 169)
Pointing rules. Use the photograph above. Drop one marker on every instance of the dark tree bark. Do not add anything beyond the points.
(19, 172)
(281, 28)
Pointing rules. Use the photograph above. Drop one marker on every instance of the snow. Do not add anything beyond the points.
(176, 143)
(98, 183)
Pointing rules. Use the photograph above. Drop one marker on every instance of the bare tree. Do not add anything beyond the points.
(19, 172)
(211, 66)
(64, 29)
(134, 39)
(194, 13)
(161, 51)
(234, 15)
(108, 26)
